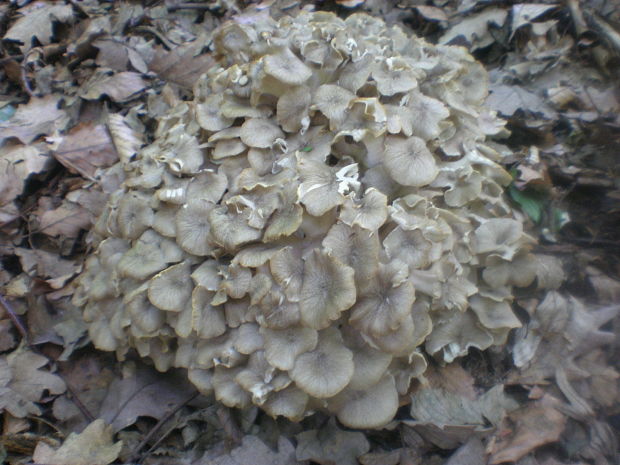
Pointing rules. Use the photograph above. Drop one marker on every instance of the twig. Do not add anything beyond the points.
(135, 453)
(581, 27)
(605, 29)
(76, 400)
(14, 318)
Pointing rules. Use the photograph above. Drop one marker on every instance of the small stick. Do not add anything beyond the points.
(14, 318)
(135, 453)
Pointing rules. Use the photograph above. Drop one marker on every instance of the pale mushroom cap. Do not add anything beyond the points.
(326, 370)
(287, 68)
(409, 162)
(327, 290)
(171, 289)
(260, 132)
(372, 407)
(283, 346)
(193, 228)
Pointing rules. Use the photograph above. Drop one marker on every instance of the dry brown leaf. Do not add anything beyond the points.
(37, 20)
(93, 446)
(40, 116)
(452, 378)
(253, 451)
(66, 221)
(22, 382)
(17, 162)
(472, 452)
(331, 445)
(533, 426)
(120, 87)
(507, 100)
(381, 458)
(475, 29)
(89, 375)
(86, 148)
(181, 65)
(143, 392)
(47, 266)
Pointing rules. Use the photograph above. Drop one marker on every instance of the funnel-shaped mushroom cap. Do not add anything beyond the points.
(287, 68)
(193, 228)
(172, 288)
(369, 213)
(326, 370)
(327, 289)
(409, 162)
(372, 407)
(500, 235)
(292, 109)
(134, 215)
(290, 403)
(260, 132)
(282, 346)
(333, 102)
(386, 301)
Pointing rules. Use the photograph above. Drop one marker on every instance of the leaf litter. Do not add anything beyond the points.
(77, 98)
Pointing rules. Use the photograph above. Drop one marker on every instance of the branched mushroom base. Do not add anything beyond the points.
(323, 211)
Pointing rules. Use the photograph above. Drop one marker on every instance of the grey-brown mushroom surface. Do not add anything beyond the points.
(324, 215)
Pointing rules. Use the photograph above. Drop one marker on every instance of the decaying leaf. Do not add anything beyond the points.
(120, 87)
(254, 451)
(46, 265)
(143, 392)
(508, 99)
(183, 65)
(17, 163)
(331, 445)
(40, 116)
(475, 29)
(22, 382)
(531, 426)
(85, 148)
(66, 221)
(93, 446)
(37, 21)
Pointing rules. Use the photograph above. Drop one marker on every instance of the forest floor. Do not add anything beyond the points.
(65, 66)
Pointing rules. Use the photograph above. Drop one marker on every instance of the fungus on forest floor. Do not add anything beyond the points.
(322, 217)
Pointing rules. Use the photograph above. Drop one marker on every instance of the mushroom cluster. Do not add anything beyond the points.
(324, 215)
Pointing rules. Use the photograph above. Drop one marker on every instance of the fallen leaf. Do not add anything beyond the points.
(182, 65)
(525, 13)
(120, 87)
(432, 13)
(381, 458)
(37, 20)
(533, 426)
(448, 420)
(86, 148)
(331, 445)
(253, 451)
(93, 446)
(90, 376)
(472, 452)
(47, 266)
(508, 99)
(475, 29)
(22, 382)
(66, 221)
(17, 163)
(143, 393)
(40, 116)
